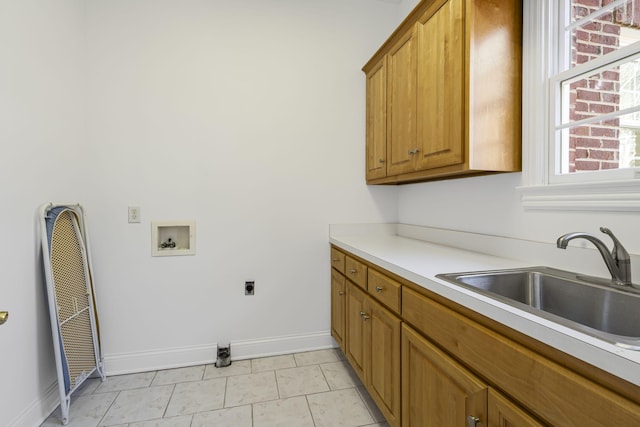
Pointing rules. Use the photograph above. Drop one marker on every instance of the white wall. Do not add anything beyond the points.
(406, 6)
(491, 205)
(247, 117)
(41, 116)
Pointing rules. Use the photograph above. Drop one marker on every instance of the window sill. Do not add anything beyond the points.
(610, 196)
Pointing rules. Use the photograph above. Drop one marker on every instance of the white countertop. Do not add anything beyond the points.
(419, 261)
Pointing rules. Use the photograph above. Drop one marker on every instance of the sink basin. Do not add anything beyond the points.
(597, 307)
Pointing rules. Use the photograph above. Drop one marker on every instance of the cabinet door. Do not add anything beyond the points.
(436, 390)
(377, 121)
(338, 307)
(440, 92)
(384, 375)
(504, 413)
(401, 106)
(357, 338)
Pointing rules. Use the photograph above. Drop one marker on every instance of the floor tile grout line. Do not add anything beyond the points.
(226, 389)
(313, 420)
(169, 401)
(155, 375)
(324, 375)
(107, 411)
(275, 379)
(277, 383)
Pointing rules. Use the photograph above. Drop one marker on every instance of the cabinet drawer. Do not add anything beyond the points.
(337, 260)
(356, 272)
(385, 290)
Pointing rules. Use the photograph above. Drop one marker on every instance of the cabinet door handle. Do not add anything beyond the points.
(414, 151)
(379, 289)
(353, 271)
(364, 315)
(381, 161)
(472, 421)
(341, 293)
(335, 260)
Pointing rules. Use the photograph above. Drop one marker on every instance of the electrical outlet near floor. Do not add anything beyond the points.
(134, 214)
(249, 287)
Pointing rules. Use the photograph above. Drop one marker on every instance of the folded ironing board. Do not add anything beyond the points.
(71, 298)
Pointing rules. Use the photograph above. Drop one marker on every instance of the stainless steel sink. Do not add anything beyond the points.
(598, 307)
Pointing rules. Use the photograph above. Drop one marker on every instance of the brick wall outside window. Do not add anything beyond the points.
(597, 146)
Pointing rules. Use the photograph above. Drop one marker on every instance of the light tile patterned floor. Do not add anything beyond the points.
(314, 389)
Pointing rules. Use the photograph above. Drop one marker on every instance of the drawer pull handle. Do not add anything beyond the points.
(335, 259)
(353, 271)
(381, 160)
(414, 151)
(341, 293)
(472, 421)
(379, 289)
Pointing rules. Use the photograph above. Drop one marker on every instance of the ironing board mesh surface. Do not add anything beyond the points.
(72, 299)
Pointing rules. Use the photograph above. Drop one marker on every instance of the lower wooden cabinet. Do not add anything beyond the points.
(541, 385)
(357, 338)
(425, 362)
(384, 368)
(338, 308)
(373, 349)
(437, 391)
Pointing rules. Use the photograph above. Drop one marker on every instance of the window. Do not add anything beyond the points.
(581, 110)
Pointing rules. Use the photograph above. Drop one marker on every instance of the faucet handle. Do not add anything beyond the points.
(618, 252)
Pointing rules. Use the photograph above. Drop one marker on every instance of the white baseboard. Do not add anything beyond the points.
(281, 345)
(127, 363)
(143, 361)
(39, 409)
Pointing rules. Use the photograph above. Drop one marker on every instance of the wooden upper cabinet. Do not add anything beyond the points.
(494, 80)
(453, 94)
(401, 106)
(440, 107)
(377, 120)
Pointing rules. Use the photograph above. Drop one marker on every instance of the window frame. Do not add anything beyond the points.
(616, 190)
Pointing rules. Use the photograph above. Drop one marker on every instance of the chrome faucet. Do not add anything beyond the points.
(618, 260)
